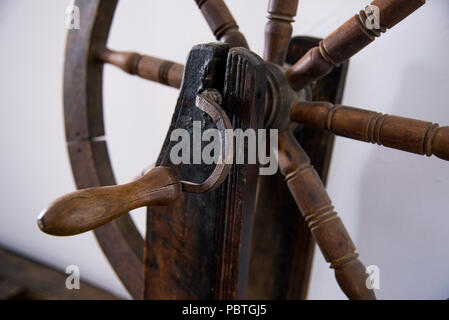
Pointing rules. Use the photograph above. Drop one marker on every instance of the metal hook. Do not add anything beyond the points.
(209, 102)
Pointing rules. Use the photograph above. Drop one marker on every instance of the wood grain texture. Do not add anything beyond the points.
(278, 29)
(90, 208)
(326, 227)
(198, 247)
(416, 136)
(147, 67)
(347, 40)
(23, 278)
(83, 115)
(221, 22)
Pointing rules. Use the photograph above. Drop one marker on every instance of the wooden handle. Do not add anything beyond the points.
(420, 137)
(326, 227)
(278, 29)
(87, 209)
(347, 40)
(221, 22)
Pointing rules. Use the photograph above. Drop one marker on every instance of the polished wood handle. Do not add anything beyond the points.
(417, 136)
(326, 227)
(354, 35)
(87, 209)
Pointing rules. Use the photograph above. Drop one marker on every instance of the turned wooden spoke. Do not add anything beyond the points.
(347, 40)
(401, 133)
(221, 22)
(150, 68)
(278, 29)
(326, 227)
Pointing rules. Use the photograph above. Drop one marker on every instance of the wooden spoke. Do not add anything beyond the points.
(405, 134)
(349, 39)
(326, 227)
(221, 22)
(150, 68)
(278, 29)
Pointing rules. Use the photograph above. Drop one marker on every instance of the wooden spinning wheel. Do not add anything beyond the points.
(222, 238)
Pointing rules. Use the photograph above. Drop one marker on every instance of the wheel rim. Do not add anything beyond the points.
(120, 240)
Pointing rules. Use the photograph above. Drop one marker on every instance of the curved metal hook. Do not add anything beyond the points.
(208, 101)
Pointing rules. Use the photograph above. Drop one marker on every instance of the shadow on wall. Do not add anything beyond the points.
(404, 199)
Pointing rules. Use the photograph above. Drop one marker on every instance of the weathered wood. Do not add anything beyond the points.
(347, 40)
(417, 136)
(198, 247)
(150, 68)
(221, 22)
(83, 113)
(23, 278)
(278, 29)
(327, 229)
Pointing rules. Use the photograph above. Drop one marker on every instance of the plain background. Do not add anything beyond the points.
(394, 204)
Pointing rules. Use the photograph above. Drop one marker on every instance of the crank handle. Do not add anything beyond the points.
(89, 208)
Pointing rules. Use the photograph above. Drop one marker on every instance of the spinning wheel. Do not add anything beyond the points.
(231, 233)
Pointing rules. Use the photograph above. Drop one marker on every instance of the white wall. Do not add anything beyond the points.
(394, 204)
